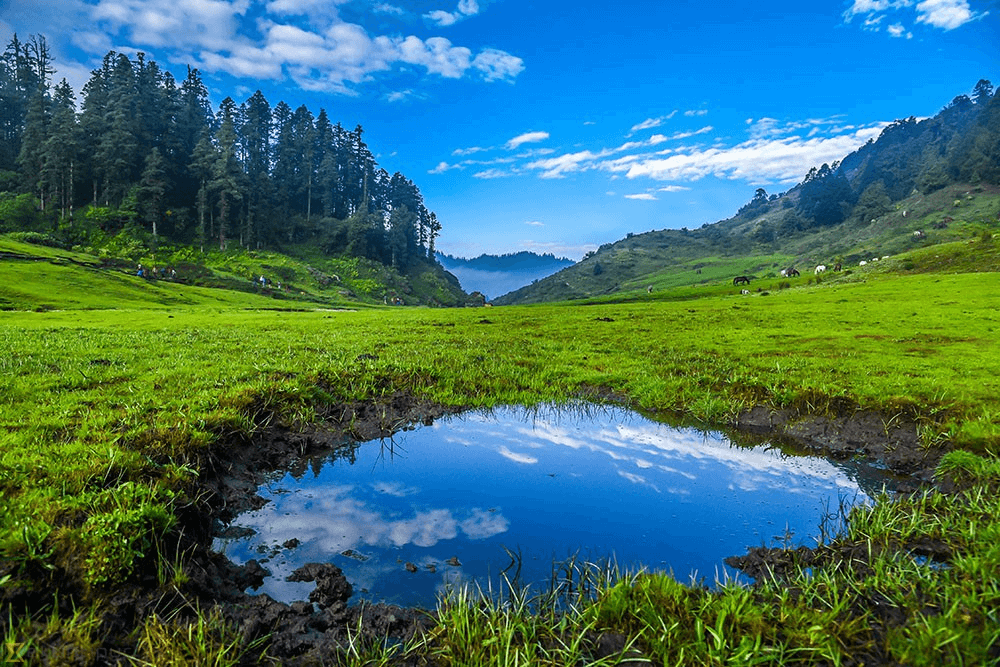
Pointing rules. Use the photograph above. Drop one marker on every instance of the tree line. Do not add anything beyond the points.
(141, 153)
(960, 144)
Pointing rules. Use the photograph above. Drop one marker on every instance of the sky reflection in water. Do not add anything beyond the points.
(607, 483)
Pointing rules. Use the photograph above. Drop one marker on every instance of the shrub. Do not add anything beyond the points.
(36, 238)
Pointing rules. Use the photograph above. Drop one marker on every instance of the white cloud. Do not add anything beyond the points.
(526, 138)
(443, 167)
(436, 54)
(495, 64)
(652, 122)
(873, 6)
(534, 223)
(696, 112)
(465, 9)
(442, 18)
(470, 151)
(385, 8)
(897, 30)
(399, 95)
(945, 14)
(758, 160)
(691, 133)
(645, 196)
(558, 167)
(253, 39)
(673, 188)
(493, 173)
(942, 14)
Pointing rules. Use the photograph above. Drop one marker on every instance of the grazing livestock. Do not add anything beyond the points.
(862, 263)
(793, 272)
(744, 292)
(837, 267)
(784, 273)
(741, 280)
(820, 269)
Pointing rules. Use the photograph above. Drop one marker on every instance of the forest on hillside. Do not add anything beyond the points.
(960, 144)
(141, 155)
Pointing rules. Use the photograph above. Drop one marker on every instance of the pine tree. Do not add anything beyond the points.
(152, 191)
(61, 150)
(30, 158)
(227, 175)
(255, 144)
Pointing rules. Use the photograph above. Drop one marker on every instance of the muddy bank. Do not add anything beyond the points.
(890, 441)
(310, 631)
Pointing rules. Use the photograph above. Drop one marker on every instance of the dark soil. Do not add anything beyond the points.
(893, 442)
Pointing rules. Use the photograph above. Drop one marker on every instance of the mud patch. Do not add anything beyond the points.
(891, 441)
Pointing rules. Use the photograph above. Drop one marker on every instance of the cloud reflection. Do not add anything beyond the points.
(646, 444)
(515, 457)
(333, 521)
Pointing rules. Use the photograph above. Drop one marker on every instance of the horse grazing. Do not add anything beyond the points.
(820, 269)
(741, 280)
(791, 273)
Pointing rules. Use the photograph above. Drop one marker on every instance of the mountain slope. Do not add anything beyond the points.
(921, 182)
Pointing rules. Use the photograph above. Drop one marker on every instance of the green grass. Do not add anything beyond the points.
(107, 417)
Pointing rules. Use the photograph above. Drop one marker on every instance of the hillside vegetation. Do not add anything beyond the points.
(921, 183)
(40, 277)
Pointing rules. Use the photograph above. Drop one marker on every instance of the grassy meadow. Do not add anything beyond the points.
(113, 391)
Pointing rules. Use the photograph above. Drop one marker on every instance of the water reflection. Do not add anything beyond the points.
(446, 502)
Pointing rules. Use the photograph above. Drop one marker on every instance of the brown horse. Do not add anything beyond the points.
(741, 280)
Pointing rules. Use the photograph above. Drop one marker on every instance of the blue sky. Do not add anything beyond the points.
(558, 126)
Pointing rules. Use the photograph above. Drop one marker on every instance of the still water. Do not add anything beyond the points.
(453, 500)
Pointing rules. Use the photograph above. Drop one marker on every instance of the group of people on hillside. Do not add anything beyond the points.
(161, 273)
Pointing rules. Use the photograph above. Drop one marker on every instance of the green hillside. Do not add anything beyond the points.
(39, 277)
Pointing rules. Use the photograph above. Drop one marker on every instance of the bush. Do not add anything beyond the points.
(36, 238)
(19, 212)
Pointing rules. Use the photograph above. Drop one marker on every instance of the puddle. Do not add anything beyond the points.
(447, 504)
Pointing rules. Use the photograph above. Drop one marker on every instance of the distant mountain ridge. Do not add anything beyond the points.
(495, 275)
(923, 182)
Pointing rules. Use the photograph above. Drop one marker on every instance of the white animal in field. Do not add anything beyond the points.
(820, 269)
(744, 292)
(784, 273)
(862, 263)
